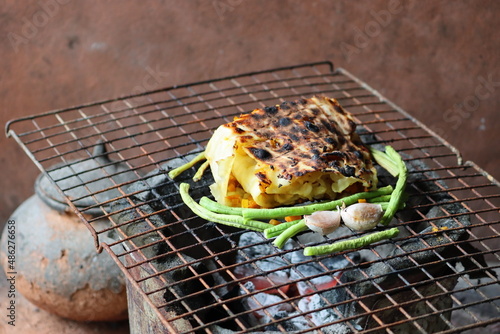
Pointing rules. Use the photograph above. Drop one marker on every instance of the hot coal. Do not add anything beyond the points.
(317, 310)
(254, 246)
(308, 273)
(278, 276)
(269, 308)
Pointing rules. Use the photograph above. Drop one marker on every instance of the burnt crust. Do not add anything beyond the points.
(304, 136)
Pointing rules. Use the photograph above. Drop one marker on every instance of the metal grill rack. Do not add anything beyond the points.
(151, 131)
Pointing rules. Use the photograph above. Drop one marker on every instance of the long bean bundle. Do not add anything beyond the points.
(230, 220)
(395, 202)
(391, 199)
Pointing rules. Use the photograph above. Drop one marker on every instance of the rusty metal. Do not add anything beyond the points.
(159, 239)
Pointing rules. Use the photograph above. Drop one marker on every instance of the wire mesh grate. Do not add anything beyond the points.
(435, 278)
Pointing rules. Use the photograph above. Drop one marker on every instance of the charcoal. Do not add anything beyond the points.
(314, 284)
(261, 299)
(156, 191)
(183, 283)
(304, 273)
(321, 313)
(324, 315)
(233, 302)
(296, 323)
(313, 268)
(160, 191)
(276, 314)
(387, 275)
(255, 246)
(138, 227)
(331, 262)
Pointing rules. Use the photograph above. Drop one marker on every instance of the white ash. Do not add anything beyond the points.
(259, 301)
(310, 237)
(313, 303)
(253, 248)
(303, 271)
(269, 308)
(308, 268)
(297, 322)
(273, 313)
(331, 263)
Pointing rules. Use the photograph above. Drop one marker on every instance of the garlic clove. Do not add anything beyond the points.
(362, 216)
(323, 222)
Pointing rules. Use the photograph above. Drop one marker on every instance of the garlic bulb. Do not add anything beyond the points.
(323, 222)
(362, 216)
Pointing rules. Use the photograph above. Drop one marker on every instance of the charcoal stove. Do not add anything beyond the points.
(185, 274)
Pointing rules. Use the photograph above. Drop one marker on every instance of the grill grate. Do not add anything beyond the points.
(162, 247)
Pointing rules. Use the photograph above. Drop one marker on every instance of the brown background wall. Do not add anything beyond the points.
(436, 59)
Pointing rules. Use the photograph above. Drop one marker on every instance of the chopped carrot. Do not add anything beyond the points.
(253, 204)
(231, 186)
(274, 222)
(441, 228)
(235, 200)
(362, 200)
(292, 218)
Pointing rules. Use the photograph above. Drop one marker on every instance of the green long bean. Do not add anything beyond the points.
(179, 170)
(275, 213)
(397, 197)
(229, 220)
(214, 206)
(385, 161)
(384, 198)
(277, 229)
(384, 205)
(291, 231)
(352, 243)
(199, 173)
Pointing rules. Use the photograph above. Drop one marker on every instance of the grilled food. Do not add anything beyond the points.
(289, 153)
